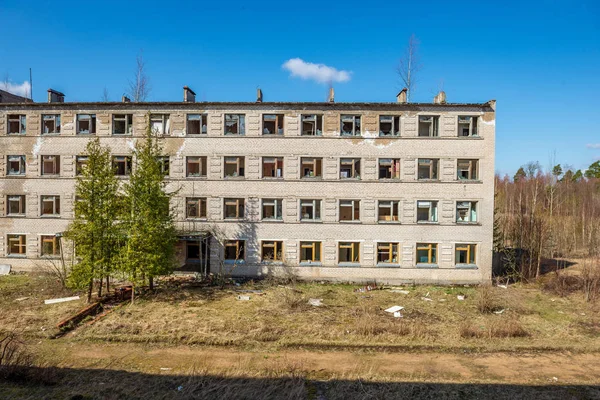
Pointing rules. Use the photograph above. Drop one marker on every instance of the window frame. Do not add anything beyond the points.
(54, 161)
(55, 199)
(392, 204)
(432, 217)
(201, 204)
(128, 164)
(316, 249)
(395, 121)
(392, 248)
(432, 249)
(471, 208)
(165, 124)
(355, 210)
(127, 119)
(92, 124)
(201, 162)
(355, 169)
(56, 120)
(240, 208)
(241, 126)
(240, 166)
(277, 204)
(277, 119)
(317, 166)
(20, 119)
(55, 243)
(473, 126)
(471, 249)
(22, 165)
(277, 246)
(354, 252)
(202, 124)
(345, 118)
(434, 169)
(165, 165)
(80, 163)
(22, 244)
(393, 170)
(317, 119)
(278, 165)
(240, 249)
(22, 205)
(434, 125)
(472, 169)
(316, 205)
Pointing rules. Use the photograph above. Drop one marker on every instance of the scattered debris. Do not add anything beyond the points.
(61, 300)
(244, 298)
(442, 300)
(399, 291)
(179, 388)
(499, 311)
(503, 286)
(315, 302)
(4, 269)
(460, 297)
(394, 309)
(554, 378)
(257, 292)
(426, 298)
(367, 288)
(166, 369)
(21, 298)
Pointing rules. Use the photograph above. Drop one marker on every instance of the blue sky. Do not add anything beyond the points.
(539, 60)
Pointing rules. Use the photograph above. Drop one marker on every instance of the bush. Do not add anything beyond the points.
(562, 284)
(590, 280)
(15, 361)
(486, 299)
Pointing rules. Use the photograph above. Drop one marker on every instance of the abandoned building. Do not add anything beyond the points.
(388, 192)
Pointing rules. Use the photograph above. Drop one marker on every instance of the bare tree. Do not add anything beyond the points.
(139, 87)
(105, 98)
(409, 65)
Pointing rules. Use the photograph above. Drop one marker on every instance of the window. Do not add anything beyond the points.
(16, 165)
(389, 125)
(80, 164)
(234, 167)
(86, 124)
(427, 211)
(235, 124)
(234, 208)
(50, 205)
(465, 254)
(272, 250)
(50, 165)
(388, 211)
(272, 167)
(428, 168)
(160, 124)
(17, 245)
(467, 170)
(50, 124)
(195, 207)
(195, 167)
(272, 209)
(349, 210)
(310, 252)
(312, 125)
(467, 126)
(350, 125)
(350, 168)
(348, 252)
(235, 250)
(272, 124)
(310, 210)
(17, 124)
(15, 204)
(389, 168)
(165, 164)
(466, 211)
(311, 167)
(122, 165)
(196, 124)
(122, 124)
(387, 253)
(50, 246)
(426, 253)
(428, 125)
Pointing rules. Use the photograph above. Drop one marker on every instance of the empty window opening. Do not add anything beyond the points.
(387, 211)
(122, 124)
(16, 165)
(272, 209)
(235, 250)
(389, 125)
(310, 252)
(426, 253)
(310, 210)
(50, 165)
(465, 254)
(466, 212)
(195, 167)
(350, 168)
(160, 124)
(17, 124)
(273, 124)
(272, 167)
(234, 208)
(387, 253)
(81, 162)
(350, 125)
(389, 168)
(50, 124)
(349, 210)
(467, 126)
(271, 250)
(311, 167)
(234, 167)
(195, 207)
(50, 246)
(197, 124)
(349, 252)
(50, 205)
(15, 205)
(165, 164)
(427, 211)
(17, 245)
(467, 170)
(428, 168)
(312, 125)
(86, 124)
(235, 124)
(428, 125)
(122, 165)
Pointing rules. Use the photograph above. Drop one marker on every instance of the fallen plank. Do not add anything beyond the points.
(61, 300)
(75, 319)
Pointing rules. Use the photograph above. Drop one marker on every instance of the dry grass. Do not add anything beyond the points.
(494, 328)
(487, 300)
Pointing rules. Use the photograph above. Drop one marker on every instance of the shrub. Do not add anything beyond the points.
(562, 284)
(486, 300)
(590, 280)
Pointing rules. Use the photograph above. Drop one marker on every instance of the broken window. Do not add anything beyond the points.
(271, 250)
(466, 211)
(235, 124)
(387, 211)
(234, 167)
(80, 163)
(195, 167)
(50, 165)
(467, 170)
(50, 205)
(50, 246)
(350, 168)
(428, 168)
(426, 253)
(272, 124)
(427, 211)
(17, 245)
(272, 209)
(467, 126)
(50, 124)
(197, 124)
(122, 124)
(272, 167)
(310, 252)
(160, 124)
(86, 124)
(348, 252)
(15, 204)
(17, 124)
(350, 125)
(312, 125)
(234, 208)
(389, 168)
(195, 207)
(349, 210)
(389, 125)
(465, 254)
(387, 253)
(235, 250)
(122, 165)
(311, 167)
(16, 165)
(165, 165)
(428, 125)
(310, 210)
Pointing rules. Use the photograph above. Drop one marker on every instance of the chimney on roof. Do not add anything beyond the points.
(440, 98)
(189, 96)
(55, 96)
(125, 99)
(258, 95)
(401, 96)
(331, 97)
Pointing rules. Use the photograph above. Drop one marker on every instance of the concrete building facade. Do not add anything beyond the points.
(387, 192)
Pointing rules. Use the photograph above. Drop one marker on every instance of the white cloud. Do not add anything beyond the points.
(20, 90)
(318, 72)
(593, 146)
